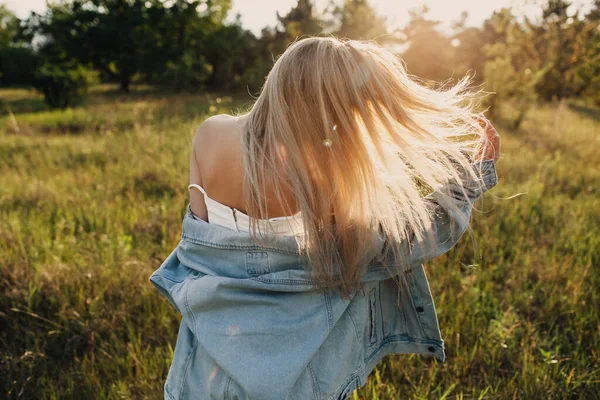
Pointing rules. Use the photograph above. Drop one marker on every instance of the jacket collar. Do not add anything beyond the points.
(221, 244)
(201, 232)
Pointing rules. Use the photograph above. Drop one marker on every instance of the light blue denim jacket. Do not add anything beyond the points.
(253, 327)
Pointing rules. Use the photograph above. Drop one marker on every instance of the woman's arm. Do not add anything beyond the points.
(451, 208)
(451, 205)
(197, 203)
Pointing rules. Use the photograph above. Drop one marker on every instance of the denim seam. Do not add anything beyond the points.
(358, 373)
(282, 281)
(376, 266)
(352, 384)
(421, 299)
(424, 322)
(402, 286)
(188, 361)
(168, 277)
(227, 388)
(381, 308)
(414, 300)
(353, 378)
(189, 310)
(354, 324)
(236, 247)
(168, 392)
(315, 383)
(329, 312)
(386, 341)
(262, 269)
(403, 338)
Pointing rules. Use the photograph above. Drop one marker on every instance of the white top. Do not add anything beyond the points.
(232, 218)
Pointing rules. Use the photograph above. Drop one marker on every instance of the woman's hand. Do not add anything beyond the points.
(490, 144)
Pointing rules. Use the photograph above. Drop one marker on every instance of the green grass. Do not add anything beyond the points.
(91, 201)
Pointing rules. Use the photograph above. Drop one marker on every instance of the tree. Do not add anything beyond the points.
(186, 30)
(9, 27)
(590, 66)
(513, 67)
(429, 53)
(356, 19)
(112, 35)
(264, 49)
(123, 38)
(63, 85)
(231, 49)
(301, 20)
(468, 43)
(568, 42)
(17, 61)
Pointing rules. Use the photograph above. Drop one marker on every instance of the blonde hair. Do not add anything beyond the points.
(341, 125)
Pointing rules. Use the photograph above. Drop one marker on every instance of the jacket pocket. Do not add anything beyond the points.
(372, 302)
(366, 314)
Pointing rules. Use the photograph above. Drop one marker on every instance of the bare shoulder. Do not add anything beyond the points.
(216, 130)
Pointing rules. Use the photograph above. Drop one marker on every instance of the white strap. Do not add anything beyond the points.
(193, 185)
(207, 199)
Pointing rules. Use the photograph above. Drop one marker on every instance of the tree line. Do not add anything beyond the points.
(191, 45)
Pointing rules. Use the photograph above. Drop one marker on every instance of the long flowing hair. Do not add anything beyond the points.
(342, 126)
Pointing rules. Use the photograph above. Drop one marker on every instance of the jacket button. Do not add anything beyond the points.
(420, 309)
(431, 349)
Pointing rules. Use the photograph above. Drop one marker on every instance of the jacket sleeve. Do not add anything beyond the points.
(450, 207)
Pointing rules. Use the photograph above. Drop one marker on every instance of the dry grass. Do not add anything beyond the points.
(91, 201)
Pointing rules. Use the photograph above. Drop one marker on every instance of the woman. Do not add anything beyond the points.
(300, 264)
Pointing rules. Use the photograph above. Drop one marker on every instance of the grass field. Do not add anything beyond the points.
(91, 201)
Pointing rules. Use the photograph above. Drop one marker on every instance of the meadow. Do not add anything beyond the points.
(91, 202)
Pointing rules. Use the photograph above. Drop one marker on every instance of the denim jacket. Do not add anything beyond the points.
(253, 327)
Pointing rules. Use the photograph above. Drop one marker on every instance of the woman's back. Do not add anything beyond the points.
(216, 169)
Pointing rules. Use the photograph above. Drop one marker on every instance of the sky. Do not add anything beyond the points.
(256, 14)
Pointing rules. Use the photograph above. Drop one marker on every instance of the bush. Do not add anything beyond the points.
(188, 71)
(509, 83)
(63, 85)
(17, 65)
